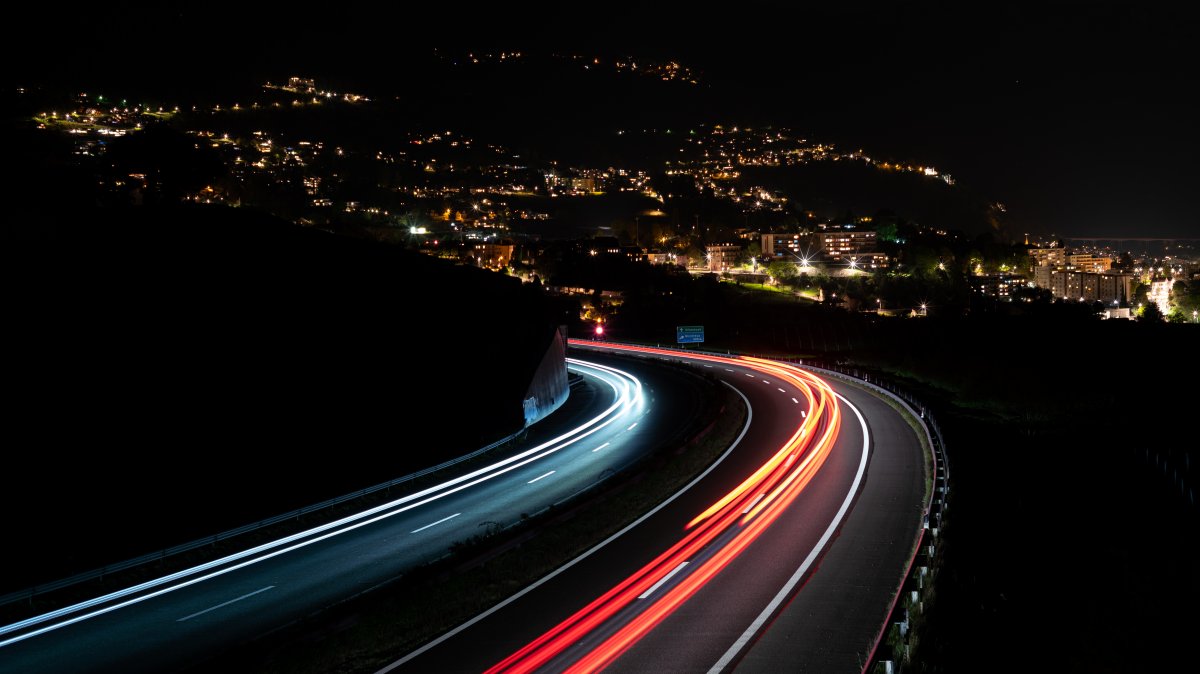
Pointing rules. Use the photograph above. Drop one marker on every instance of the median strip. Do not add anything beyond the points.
(416, 609)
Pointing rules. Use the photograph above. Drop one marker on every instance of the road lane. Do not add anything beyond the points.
(876, 485)
(226, 604)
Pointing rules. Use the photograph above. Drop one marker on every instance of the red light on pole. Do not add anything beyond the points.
(599, 330)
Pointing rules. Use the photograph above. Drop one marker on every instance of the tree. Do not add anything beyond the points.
(1150, 313)
(754, 249)
(1140, 294)
(782, 271)
(411, 220)
(1185, 297)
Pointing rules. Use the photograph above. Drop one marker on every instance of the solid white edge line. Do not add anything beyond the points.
(541, 476)
(662, 581)
(622, 401)
(547, 578)
(786, 590)
(223, 605)
(434, 524)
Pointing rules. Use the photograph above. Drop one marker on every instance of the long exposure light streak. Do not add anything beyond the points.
(711, 540)
(628, 403)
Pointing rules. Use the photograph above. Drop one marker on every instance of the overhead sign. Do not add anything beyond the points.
(689, 334)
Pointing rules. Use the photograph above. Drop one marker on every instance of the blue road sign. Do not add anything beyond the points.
(689, 334)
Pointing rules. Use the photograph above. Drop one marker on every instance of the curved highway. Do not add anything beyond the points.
(175, 621)
(785, 556)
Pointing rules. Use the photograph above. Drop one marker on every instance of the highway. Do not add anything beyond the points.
(180, 620)
(786, 556)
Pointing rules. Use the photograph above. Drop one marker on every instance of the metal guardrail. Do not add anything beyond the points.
(897, 618)
(933, 431)
(42, 588)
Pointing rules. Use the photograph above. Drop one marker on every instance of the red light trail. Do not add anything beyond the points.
(730, 525)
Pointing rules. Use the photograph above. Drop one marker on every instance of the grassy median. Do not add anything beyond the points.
(368, 632)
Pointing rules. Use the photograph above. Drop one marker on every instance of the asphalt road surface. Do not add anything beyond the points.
(182, 620)
(811, 522)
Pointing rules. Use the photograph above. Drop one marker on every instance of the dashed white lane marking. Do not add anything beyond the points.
(245, 596)
(753, 503)
(434, 524)
(662, 581)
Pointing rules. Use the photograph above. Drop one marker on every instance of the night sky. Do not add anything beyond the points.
(1077, 116)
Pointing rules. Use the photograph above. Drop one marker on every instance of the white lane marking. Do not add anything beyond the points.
(631, 426)
(662, 581)
(434, 524)
(782, 391)
(554, 574)
(749, 375)
(766, 382)
(786, 590)
(708, 366)
(600, 447)
(729, 369)
(804, 413)
(245, 596)
(356, 521)
(540, 477)
(753, 503)
(795, 401)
